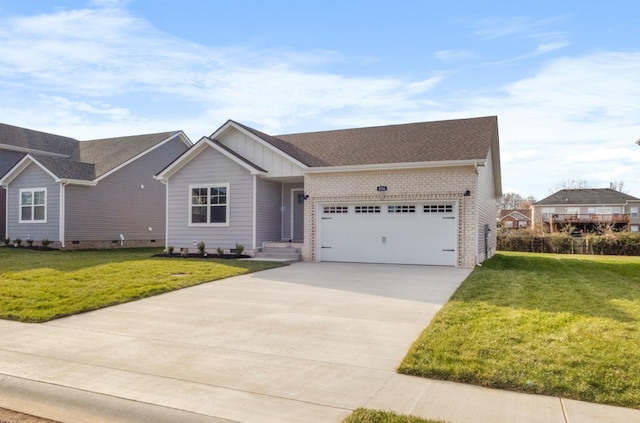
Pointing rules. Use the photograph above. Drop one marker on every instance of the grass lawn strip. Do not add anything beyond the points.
(37, 286)
(363, 415)
(565, 326)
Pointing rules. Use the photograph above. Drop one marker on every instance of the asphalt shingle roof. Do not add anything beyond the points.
(449, 140)
(73, 159)
(586, 196)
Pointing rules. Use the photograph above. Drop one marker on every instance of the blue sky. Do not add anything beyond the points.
(563, 77)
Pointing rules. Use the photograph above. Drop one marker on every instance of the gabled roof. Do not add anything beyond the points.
(587, 196)
(519, 214)
(69, 159)
(448, 140)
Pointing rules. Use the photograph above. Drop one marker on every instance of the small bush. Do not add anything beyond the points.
(6, 241)
(170, 250)
(17, 242)
(220, 251)
(239, 249)
(45, 242)
(184, 252)
(30, 242)
(201, 247)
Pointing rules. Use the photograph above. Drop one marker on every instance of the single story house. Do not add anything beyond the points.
(515, 219)
(84, 194)
(587, 209)
(418, 193)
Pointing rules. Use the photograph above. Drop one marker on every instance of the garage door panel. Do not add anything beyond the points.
(404, 234)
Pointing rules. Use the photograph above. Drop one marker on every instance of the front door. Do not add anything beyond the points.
(297, 199)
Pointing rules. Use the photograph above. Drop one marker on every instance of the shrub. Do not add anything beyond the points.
(239, 249)
(201, 247)
(170, 250)
(17, 242)
(45, 242)
(220, 251)
(6, 241)
(30, 242)
(184, 252)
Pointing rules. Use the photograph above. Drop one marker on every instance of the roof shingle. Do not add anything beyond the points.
(587, 196)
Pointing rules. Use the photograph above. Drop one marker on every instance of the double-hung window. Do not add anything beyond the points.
(33, 205)
(209, 205)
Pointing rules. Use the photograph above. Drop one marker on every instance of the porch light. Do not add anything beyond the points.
(467, 193)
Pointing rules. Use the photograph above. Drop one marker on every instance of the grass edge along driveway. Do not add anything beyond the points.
(38, 286)
(566, 326)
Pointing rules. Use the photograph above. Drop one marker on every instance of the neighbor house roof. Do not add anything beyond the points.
(68, 158)
(516, 214)
(587, 196)
(448, 140)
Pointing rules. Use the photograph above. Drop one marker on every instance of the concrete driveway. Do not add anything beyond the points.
(304, 343)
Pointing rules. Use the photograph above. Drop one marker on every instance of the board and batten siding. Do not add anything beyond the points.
(129, 201)
(259, 154)
(486, 206)
(34, 177)
(211, 167)
(268, 211)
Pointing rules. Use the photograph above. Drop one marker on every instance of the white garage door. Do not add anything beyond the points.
(419, 233)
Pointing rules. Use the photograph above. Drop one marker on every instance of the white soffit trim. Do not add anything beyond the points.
(259, 140)
(391, 166)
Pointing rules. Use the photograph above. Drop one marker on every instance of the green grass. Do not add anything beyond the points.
(565, 326)
(37, 286)
(363, 415)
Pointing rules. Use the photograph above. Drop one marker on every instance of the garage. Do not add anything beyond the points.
(403, 233)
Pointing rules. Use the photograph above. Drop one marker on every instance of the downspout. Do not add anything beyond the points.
(63, 184)
(6, 210)
(255, 212)
(166, 214)
(477, 223)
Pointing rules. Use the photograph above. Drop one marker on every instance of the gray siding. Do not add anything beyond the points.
(129, 201)
(286, 206)
(210, 167)
(268, 214)
(486, 207)
(34, 177)
(7, 160)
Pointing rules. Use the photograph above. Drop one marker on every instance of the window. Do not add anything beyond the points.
(634, 212)
(33, 205)
(546, 211)
(635, 228)
(438, 208)
(508, 224)
(401, 209)
(367, 209)
(335, 209)
(209, 205)
(522, 223)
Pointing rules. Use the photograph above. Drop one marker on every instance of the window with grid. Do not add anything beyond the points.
(367, 209)
(401, 209)
(209, 205)
(438, 208)
(33, 205)
(335, 209)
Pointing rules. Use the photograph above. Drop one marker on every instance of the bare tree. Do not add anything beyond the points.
(572, 184)
(509, 201)
(617, 185)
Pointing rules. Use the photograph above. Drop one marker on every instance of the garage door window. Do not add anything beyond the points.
(401, 209)
(438, 208)
(367, 209)
(335, 209)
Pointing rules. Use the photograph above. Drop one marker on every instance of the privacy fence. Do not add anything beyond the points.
(620, 243)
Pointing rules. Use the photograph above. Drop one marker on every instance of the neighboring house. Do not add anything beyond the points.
(84, 194)
(515, 219)
(420, 193)
(588, 210)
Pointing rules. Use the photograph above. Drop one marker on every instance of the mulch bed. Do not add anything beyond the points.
(200, 256)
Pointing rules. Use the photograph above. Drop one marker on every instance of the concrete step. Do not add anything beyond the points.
(280, 250)
(280, 256)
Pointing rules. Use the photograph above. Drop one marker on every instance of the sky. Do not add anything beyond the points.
(563, 77)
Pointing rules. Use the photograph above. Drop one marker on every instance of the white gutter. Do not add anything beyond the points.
(166, 214)
(77, 182)
(62, 212)
(255, 212)
(391, 166)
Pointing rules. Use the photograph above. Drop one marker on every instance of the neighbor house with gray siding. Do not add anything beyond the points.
(419, 193)
(85, 194)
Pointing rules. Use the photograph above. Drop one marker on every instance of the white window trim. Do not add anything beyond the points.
(32, 191)
(228, 205)
(633, 212)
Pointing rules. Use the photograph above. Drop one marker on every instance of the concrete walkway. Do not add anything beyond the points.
(305, 343)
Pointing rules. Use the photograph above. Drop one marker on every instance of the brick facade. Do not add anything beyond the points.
(421, 184)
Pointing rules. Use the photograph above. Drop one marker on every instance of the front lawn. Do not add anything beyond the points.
(565, 326)
(363, 415)
(36, 286)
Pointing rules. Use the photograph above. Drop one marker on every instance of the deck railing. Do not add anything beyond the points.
(612, 218)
